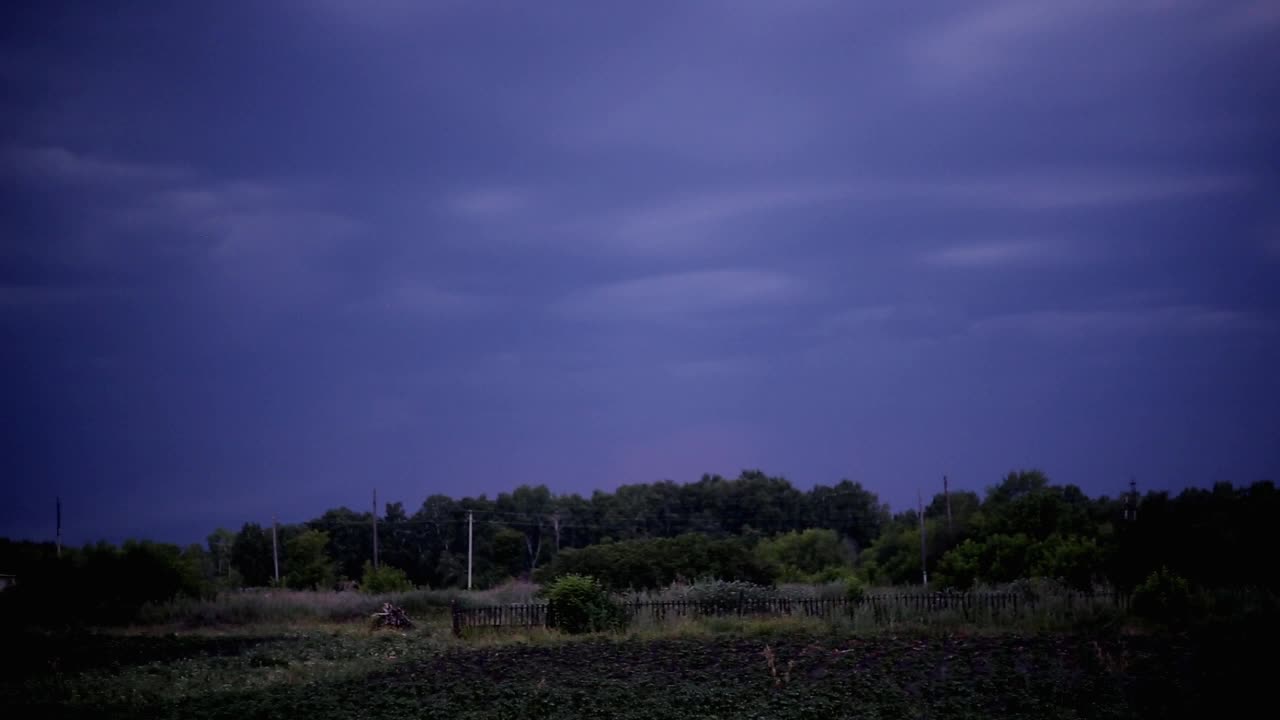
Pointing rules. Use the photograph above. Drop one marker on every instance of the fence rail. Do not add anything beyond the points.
(881, 607)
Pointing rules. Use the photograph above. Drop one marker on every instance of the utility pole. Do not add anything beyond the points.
(375, 528)
(946, 493)
(275, 553)
(924, 555)
(470, 523)
(1131, 501)
(59, 541)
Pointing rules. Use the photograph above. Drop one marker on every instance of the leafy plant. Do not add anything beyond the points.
(384, 579)
(580, 604)
(1164, 597)
(854, 589)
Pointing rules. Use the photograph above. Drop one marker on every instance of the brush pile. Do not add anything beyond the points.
(392, 616)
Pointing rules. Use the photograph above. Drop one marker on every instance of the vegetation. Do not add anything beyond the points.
(577, 604)
(384, 579)
(753, 528)
(711, 670)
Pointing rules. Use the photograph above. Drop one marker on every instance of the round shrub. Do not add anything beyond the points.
(1164, 597)
(384, 579)
(854, 590)
(728, 594)
(579, 604)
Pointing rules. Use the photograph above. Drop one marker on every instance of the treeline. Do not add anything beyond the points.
(753, 527)
(518, 532)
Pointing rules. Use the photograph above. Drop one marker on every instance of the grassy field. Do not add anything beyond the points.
(724, 668)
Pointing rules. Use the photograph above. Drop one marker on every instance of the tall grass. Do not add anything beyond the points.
(247, 607)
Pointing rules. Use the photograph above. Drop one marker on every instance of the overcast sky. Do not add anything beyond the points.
(260, 258)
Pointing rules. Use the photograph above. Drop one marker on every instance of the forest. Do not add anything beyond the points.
(754, 527)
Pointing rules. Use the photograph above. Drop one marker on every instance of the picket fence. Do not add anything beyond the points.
(881, 607)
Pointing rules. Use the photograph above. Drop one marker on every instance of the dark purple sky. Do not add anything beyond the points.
(259, 258)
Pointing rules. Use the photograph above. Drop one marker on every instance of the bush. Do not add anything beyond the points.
(728, 595)
(854, 590)
(1164, 597)
(812, 556)
(385, 579)
(309, 567)
(579, 604)
(658, 562)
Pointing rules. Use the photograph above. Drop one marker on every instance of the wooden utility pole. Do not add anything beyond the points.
(470, 524)
(924, 555)
(275, 553)
(59, 541)
(375, 528)
(946, 493)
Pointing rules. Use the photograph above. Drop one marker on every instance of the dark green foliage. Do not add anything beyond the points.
(637, 564)
(814, 555)
(384, 579)
(1163, 597)
(251, 555)
(754, 527)
(579, 604)
(309, 567)
(854, 589)
(103, 584)
(319, 676)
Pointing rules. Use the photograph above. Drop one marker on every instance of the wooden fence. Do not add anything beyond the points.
(879, 607)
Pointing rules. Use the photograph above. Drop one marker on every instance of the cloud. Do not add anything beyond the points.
(386, 16)
(65, 166)
(1082, 324)
(977, 42)
(1257, 16)
(996, 254)
(716, 368)
(1068, 190)
(688, 292)
(702, 219)
(424, 299)
(1002, 36)
(251, 226)
(29, 296)
(855, 320)
(489, 203)
(1271, 242)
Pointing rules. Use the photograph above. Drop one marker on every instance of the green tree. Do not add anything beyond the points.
(383, 579)
(812, 555)
(251, 555)
(309, 567)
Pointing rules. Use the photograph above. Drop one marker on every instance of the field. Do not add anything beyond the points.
(725, 668)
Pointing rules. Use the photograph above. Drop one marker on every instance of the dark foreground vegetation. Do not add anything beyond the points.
(754, 528)
(1184, 624)
(742, 671)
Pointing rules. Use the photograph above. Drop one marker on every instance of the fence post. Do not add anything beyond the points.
(453, 611)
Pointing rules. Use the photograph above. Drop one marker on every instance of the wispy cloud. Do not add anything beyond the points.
(35, 296)
(427, 300)
(688, 292)
(723, 368)
(489, 203)
(62, 165)
(1251, 16)
(1069, 190)
(386, 16)
(854, 320)
(998, 254)
(999, 36)
(726, 219)
(696, 221)
(962, 49)
(1080, 324)
(269, 225)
